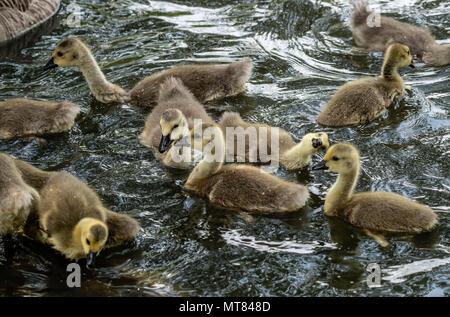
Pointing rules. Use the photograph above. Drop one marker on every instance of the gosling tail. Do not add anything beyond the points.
(360, 12)
(240, 73)
(230, 119)
(173, 87)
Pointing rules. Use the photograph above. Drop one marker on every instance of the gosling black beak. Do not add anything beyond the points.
(316, 143)
(51, 64)
(320, 166)
(90, 260)
(165, 143)
(412, 65)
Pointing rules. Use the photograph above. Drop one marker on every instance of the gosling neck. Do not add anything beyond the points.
(298, 156)
(389, 71)
(214, 157)
(94, 75)
(341, 192)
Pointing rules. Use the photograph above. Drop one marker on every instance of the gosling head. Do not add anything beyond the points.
(315, 142)
(399, 55)
(340, 158)
(68, 53)
(174, 126)
(93, 234)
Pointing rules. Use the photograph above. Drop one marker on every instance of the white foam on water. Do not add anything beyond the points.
(234, 237)
(192, 19)
(398, 273)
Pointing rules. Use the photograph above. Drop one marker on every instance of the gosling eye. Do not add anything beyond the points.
(335, 158)
(175, 126)
(60, 54)
(88, 242)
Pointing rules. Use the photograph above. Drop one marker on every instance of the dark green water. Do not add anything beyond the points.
(302, 52)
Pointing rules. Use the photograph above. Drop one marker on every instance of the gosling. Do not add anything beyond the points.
(73, 220)
(16, 197)
(291, 155)
(22, 117)
(390, 31)
(361, 101)
(237, 186)
(171, 120)
(206, 82)
(383, 212)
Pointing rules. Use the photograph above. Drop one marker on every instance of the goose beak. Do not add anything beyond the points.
(320, 166)
(165, 143)
(50, 64)
(316, 143)
(90, 260)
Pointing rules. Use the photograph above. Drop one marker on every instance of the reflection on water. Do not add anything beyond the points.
(233, 237)
(399, 273)
(302, 52)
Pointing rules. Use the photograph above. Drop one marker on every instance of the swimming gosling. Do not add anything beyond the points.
(171, 120)
(373, 211)
(291, 155)
(75, 222)
(20, 117)
(238, 186)
(389, 30)
(16, 197)
(206, 82)
(361, 101)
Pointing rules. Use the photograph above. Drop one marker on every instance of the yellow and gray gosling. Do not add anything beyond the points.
(70, 216)
(171, 120)
(238, 186)
(361, 101)
(206, 82)
(291, 155)
(376, 212)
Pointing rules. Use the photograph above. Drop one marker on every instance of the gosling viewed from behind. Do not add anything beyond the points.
(291, 155)
(237, 186)
(20, 117)
(361, 101)
(206, 82)
(389, 31)
(171, 120)
(373, 211)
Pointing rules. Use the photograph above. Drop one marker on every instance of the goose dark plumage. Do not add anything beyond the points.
(20, 16)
